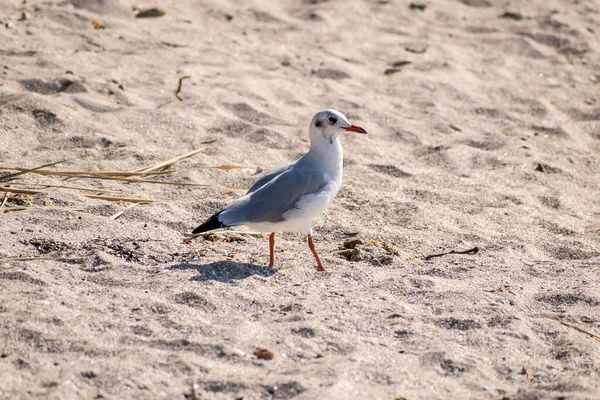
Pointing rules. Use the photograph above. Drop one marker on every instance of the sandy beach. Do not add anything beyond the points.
(484, 140)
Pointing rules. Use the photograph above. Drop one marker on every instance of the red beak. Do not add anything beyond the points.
(354, 128)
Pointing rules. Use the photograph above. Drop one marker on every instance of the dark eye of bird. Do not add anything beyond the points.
(332, 120)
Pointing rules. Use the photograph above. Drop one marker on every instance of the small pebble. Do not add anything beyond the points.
(352, 243)
(512, 15)
(391, 71)
(235, 238)
(239, 352)
(213, 237)
(150, 13)
(416, 49)
(417, 6)
(264, 354)
(351, 254)
(399, 64)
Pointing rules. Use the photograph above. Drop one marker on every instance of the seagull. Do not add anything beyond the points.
(289, 198)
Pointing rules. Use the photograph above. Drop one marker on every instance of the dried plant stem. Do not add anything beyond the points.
(22, 191)
(117, 215)
(195, 235)
(122, 199)
(576, 328)
(179, 86)
(474, 250)
(230, 167)
(244, 233)
(90, 173)
(24, 259)
(4, 200)
(166, 164)
(133, 180)
(66, 187)
(25, 171)
(6, 209)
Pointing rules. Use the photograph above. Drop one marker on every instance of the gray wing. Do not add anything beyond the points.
(274, 198)
(270, 176)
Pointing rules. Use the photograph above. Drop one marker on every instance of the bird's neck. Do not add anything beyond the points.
(329, 154)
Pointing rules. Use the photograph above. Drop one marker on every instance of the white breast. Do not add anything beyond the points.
(329, 160)
(300, 218)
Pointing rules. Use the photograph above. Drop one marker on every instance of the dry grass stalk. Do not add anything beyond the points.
(66, 187)
(243, 233)
(25, 171)
(578, 329)
(230, 167)
(6, 209)
(7, 259)
(117, 215)
(4, 200)
(195, 235)
(237, 187)
(192, 235)
(90, 172)
(133, 180)
(179, 87)
(102, 173)
(166, 164)
(122, 199)
(23, 191)
(110, 175)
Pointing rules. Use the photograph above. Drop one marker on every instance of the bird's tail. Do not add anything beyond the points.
(210, 224)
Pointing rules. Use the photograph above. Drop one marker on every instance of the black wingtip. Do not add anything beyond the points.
(210, 224)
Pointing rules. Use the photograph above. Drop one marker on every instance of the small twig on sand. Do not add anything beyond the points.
(122, 199)
(161, 166)
(24, 259)
(12, 176)
(230, 167)
(117, 215)
(474, 250)
(108, 175)
(148, 181)
(21, 191)
(243, 233)
(179, 87)
(87, 174)
(576, 328)
(65, 187)
(6, 209)
(195, 235)
(4, 200)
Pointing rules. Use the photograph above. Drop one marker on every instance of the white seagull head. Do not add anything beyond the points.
(329, 124)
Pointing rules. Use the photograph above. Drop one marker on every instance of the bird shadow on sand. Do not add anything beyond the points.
(225, 271)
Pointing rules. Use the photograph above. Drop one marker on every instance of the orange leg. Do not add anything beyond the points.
(272, 249)
(311, 245)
